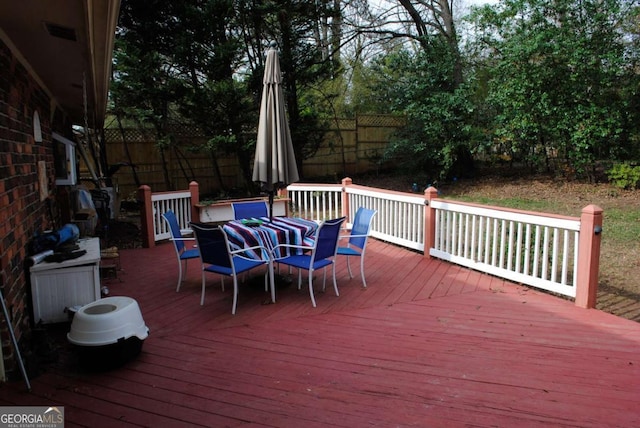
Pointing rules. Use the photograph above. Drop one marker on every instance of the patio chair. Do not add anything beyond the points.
(249, 209)
(183, 254)
(357, 243)
(322, 255)
(217, 257)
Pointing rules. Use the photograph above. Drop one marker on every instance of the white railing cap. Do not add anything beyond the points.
(390, 194)
(166, 196)
(550, 220)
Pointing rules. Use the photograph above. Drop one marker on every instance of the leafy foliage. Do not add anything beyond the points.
(200, 63)
(546, 83)
(437, 140)
(625, 176)
(556, 72)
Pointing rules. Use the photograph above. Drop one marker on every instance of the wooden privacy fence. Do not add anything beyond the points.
(351, 146)
(555, 253)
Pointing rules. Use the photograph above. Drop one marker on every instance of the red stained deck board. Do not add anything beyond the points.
(100, 406)
(428, 343)
(415, 351)
(297, 365)
(259, 394)
(420, 277)
(343, 387)
(399, 278)
(433, 281)
(199, 398)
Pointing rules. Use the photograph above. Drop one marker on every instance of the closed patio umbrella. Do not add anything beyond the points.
(275, 163)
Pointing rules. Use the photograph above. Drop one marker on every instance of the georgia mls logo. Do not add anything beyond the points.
(57, 414)
(31, 417)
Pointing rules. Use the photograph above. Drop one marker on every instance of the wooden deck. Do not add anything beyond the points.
(427, 344)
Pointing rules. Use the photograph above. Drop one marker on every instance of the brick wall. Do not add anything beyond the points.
(22, 210)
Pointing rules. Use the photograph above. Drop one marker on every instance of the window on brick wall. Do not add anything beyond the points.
(64, 156)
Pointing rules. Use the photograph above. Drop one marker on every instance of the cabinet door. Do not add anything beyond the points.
(57, 289)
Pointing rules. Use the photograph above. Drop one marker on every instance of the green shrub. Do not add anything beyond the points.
(625, 176)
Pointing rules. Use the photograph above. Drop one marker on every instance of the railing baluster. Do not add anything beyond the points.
(472, 244)
(487, 238)
(518, 266)
(527, 250)
(565, 257)
(503, 239)
(536, 256)
(545, 254)
(510, 246)
(406, 221)
(555, 255)
(576, 242)
(458, 245)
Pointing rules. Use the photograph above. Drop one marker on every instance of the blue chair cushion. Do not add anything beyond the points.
(241, 264)
(348, 251)
(190, 254)
(304, 262)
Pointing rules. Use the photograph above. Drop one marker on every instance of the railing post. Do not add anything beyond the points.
(429, 220)
(345, 197)
(146, 217)
(589, 256)
(194, 189)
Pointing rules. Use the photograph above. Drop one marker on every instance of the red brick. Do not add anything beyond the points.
(21, 211)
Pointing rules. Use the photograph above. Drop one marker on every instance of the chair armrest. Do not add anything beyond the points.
(299, 247)
(353, 236)
(302, 247)
(256, 247)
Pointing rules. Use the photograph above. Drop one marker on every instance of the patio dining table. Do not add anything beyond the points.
(252, 232)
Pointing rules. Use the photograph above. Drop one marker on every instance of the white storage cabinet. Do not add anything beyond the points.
(56, 286)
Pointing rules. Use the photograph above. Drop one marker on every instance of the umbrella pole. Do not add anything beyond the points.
(271, 192)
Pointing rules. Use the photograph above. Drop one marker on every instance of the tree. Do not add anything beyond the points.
(422, 79)
(146, 85)
(209, 53)
(201, 63)
(436, 141)
(298, 30)
(556, 73)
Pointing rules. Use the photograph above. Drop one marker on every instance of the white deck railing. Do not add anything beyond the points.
(541, 250)
(400, 217)
(316, 201)
(537, 250)
(179, 203)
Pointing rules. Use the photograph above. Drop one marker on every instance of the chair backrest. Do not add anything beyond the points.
(174, 228)
(361, 227)
(327, 239)
(213, 245)
(249, 209)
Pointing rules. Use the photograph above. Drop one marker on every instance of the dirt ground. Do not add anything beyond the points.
(619, 285)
